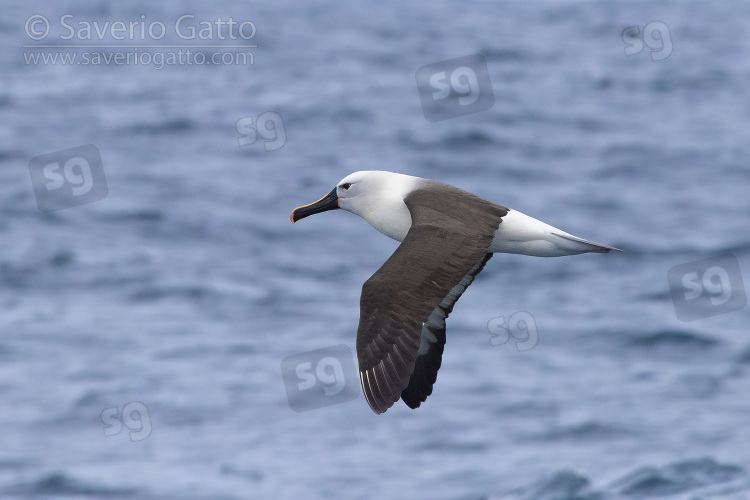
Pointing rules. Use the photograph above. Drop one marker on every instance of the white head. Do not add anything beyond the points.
(375, 195)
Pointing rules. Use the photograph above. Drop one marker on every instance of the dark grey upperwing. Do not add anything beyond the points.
(448, 241)
(432, 341)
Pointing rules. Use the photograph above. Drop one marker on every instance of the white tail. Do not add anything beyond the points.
(588, 246)
(519, 233)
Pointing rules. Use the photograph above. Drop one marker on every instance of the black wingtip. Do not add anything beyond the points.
(412, 398)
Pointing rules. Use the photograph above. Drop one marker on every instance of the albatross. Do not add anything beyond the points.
(447, 235)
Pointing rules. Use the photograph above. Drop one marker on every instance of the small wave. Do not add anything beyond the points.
(189, 352)
(675, 478)
(60, 484)
(153, 293)
(136, 216)
(21, 275)
(468, 139)
(14, 464)
(673, 338)
(744, 357)
(502, 55)
(643, 483)
(6, 353)
(168, 127)
(11, 154)
(531, 409)
(253, 475)
(562, 485)
(456, 141)
(594, 431)
(455, 446)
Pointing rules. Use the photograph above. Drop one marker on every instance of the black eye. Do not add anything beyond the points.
(346, 185)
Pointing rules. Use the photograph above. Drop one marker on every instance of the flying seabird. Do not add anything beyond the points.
(447, 235)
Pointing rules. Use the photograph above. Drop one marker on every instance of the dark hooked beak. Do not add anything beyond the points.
(328, 202)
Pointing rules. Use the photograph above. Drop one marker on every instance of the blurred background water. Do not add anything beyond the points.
(184, 288)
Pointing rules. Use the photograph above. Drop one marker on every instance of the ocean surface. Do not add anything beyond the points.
(142, 331)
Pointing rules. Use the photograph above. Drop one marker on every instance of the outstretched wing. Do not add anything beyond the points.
(432, 341)
(444, 249)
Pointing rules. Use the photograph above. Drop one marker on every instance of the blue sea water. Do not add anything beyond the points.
(185, 287)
